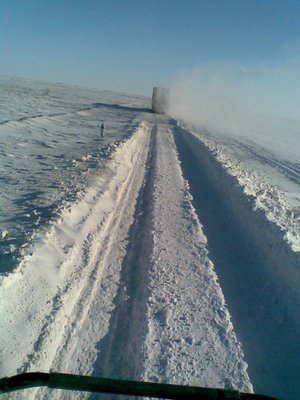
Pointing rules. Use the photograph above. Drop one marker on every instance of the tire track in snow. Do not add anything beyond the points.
(258, 271)
(95, 305)
(289, 169)
(190, 338)
(120, 352)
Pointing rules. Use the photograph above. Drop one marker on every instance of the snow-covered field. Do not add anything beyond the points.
(161, 252)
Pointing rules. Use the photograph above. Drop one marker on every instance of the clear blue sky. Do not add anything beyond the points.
(132, 45)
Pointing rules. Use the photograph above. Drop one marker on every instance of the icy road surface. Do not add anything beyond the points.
(163, 269)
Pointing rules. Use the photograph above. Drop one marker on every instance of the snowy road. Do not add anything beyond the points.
(162, 272)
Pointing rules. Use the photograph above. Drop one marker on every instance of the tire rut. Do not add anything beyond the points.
(121, 350)
(258, 271)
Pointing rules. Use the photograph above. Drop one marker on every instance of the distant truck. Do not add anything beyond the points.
(160, 100)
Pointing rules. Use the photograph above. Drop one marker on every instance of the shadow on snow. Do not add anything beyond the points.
(257, 270)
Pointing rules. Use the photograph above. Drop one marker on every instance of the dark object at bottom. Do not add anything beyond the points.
(116, 386)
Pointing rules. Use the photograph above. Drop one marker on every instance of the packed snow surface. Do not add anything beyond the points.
(188, 319)
(161, 252)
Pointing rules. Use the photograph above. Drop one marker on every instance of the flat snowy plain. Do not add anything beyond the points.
(162, 252)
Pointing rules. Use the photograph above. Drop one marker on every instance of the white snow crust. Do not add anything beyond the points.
(175, 258)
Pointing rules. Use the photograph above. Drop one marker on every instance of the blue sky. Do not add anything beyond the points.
(132, 45)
